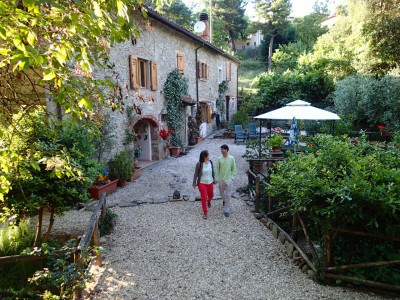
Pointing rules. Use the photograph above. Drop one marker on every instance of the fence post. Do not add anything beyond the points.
(258, 194)
(96, 243)
(328, 252)
(78, 261)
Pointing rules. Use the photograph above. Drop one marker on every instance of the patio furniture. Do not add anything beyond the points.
(240, 135)
(252, 131)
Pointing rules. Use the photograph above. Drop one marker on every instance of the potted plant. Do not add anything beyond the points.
(256, 153)
(276, 142)
(194, 130)
(121, 167)
(103, 184)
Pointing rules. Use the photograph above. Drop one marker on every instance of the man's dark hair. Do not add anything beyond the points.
(224, 146)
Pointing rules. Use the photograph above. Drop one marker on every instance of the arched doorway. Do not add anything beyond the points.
(146, 128)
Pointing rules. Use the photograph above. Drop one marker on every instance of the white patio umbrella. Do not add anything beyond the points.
(301, 110)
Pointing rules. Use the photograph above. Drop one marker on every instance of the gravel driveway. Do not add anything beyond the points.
(168, 251)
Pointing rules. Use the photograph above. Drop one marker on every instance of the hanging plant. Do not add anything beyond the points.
(175, 87)
(222, 88)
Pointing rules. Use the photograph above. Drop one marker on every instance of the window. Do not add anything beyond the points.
(204, 70)
(141, 71)
(228, 71)
(143, 65)
(220, 75)
(180, 62)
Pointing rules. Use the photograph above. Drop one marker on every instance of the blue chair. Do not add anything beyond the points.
(240, 135)
(252, 131)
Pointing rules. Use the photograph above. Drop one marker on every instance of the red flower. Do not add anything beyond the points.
(164, 133)
(381, 127)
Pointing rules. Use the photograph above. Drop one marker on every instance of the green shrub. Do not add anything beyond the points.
(61, 276)
(14, 239)
(342, 184)
(121, 166)
(106, 224)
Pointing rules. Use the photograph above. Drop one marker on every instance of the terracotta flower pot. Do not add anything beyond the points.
(121, 182)
(136, 174)
(96, 191)
(199, 139)
(175, 151)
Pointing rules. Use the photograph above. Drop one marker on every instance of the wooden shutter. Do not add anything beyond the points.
(200, 70)
(203, 112)
(207, 71)
(133, 71)
(153, 75)
(228, 71)
(208, 113)
(180, 62)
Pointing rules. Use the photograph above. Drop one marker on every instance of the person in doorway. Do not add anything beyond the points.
(218, 121)
(204, 179)
(226, 172)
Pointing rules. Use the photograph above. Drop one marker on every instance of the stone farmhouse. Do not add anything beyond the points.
(142, 66)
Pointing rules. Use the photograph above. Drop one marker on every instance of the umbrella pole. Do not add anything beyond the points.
(259, 150)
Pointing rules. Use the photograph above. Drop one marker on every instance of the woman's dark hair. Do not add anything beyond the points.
(203, 155)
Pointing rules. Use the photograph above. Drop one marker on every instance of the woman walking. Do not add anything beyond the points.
(204, 178)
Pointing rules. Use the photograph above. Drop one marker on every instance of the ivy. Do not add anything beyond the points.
(175, 87)
(222, 88)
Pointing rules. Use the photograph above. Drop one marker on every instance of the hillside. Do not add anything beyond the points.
(248, 71)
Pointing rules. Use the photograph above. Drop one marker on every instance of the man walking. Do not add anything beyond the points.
(226, 172)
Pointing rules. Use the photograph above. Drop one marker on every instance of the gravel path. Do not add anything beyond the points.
(167, 251)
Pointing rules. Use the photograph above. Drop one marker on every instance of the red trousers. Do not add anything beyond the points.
(206, 194)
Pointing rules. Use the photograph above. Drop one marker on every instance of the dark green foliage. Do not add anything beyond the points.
(231, 15)
(240, 118)
(121, 166)
(106, 224)
(277, 89)
(342, 184)
(368, 102)
(351, 186)
(382, 27)
(220, 103)
(62, 276)
(54, 169)
(175, 87)
(178, 12)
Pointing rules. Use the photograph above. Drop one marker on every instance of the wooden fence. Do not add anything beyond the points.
(257, 180)
(92, 233)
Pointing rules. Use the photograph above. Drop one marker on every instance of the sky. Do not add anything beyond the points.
(300, 8)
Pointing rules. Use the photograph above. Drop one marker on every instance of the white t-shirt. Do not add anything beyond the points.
(206, 174)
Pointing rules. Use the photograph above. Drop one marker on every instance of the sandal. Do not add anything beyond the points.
(205, 217)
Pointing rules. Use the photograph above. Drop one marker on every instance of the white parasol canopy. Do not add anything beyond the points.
(301, 110)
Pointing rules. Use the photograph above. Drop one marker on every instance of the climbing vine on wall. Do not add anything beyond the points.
(175, 87)
(222, 88)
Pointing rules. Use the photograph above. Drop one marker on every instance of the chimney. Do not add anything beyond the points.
(205, 35)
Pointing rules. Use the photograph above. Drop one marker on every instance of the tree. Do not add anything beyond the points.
(382, 27)
(178, 12)
(231, 14)
(307, 30)
(274, 17)
(49, 49)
